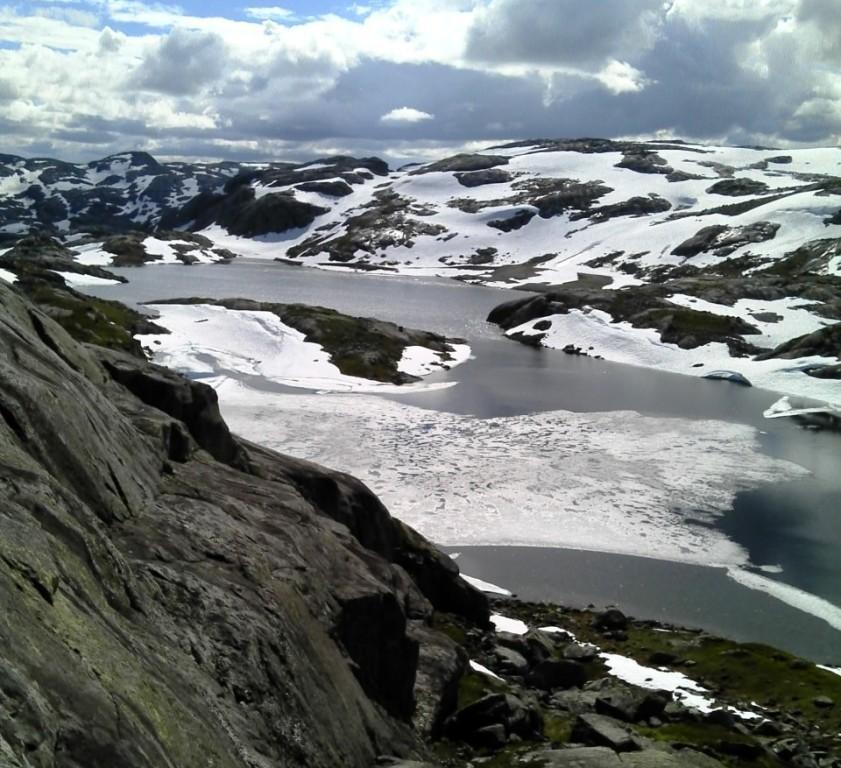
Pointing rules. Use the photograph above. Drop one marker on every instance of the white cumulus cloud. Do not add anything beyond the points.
(406, 115)
(269, 13)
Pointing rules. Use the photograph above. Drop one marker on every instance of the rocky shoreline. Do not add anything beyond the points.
(560, 687)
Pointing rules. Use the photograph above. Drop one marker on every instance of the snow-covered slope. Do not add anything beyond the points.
(679, 256)
(609, 208)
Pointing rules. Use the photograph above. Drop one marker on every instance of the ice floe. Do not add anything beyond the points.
(613, 482)
(796, 598)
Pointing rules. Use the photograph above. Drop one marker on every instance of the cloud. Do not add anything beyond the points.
(183, 63)
(150, 75)
(570, 33)
(824, 19)
(269, 12)
(621, 77)
(406, 115)
(731, 10)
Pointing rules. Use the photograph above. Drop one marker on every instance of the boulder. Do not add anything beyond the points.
(738, 187)
(611, 620)
(441, 665)
(482, 178)
(602, 731)
(509, 662)
(497, 709)
(552, 673)
(576, 757)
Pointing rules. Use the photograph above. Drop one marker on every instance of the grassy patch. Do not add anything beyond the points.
(474, 686)
(557, 727)
(87, 319)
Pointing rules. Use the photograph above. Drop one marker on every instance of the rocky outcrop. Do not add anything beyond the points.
(738, 187)
(645, 161)
(173, 596)
(243, 213)
(642, 306)
(481, 178)
(823, 343)
(388, 220)
(723, 240)
(39, 256)
(463, 164)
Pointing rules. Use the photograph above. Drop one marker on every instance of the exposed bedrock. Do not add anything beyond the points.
(173, 596)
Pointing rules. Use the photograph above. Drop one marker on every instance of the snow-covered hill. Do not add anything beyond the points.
(680, 256)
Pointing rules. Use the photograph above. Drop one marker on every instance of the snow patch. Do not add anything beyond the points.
(421, 361)
(486, 586)
(483, 670)
(74, 278)
(505, 624)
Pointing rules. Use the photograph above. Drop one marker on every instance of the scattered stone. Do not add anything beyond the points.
(516, 221)
(580, 652)
(738, 187)
(483, 178)
(823, 702)
(490, 737)
(551, 674)
(612, 619)
(602, 731)
(509, 662)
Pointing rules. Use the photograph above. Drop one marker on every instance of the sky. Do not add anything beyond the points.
(410, 79)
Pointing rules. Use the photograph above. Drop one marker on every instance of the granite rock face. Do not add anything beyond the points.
(173, 596)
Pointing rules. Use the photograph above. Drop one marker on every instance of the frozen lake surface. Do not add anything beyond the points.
(537, 448)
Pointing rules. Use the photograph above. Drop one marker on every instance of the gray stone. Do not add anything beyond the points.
(490, 737)
(540, 646)
(579, 652)
(508, 661)
(553, 673)
(611, 620)
(653, 758)
(602, 731)
(576, 757)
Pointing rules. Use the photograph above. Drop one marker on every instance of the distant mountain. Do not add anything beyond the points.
(645, 251)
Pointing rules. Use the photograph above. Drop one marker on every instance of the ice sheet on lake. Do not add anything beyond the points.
(796, 598)
(613, 482)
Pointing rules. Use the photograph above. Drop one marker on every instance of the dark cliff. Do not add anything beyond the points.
(173, 596)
